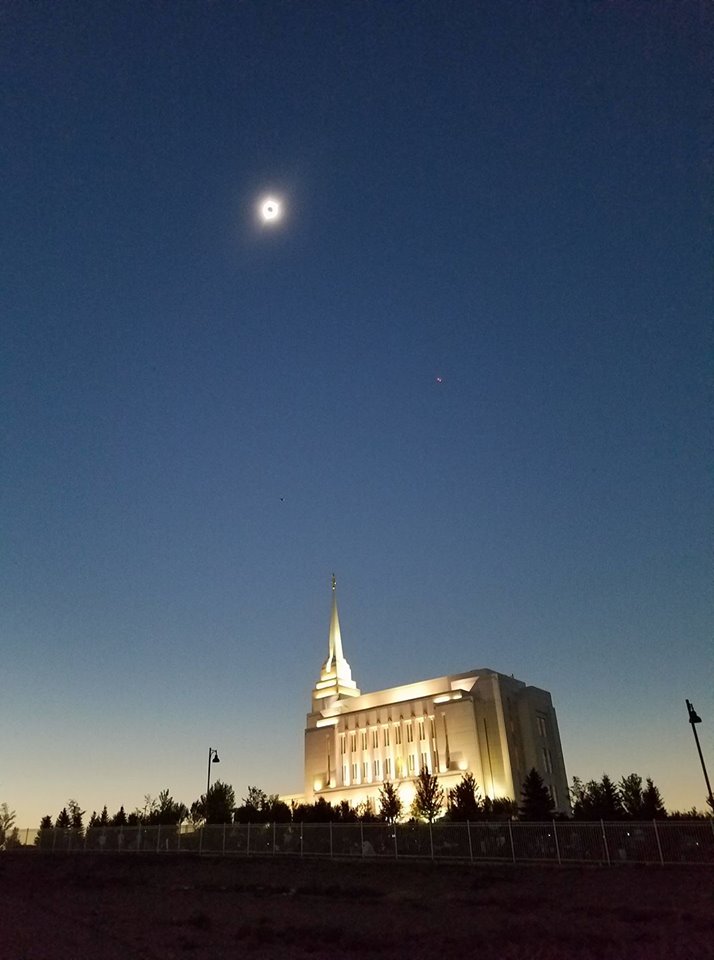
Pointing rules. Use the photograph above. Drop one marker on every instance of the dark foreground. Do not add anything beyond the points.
(93, 907)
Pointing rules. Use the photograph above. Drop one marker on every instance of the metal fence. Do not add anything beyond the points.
(601, 842)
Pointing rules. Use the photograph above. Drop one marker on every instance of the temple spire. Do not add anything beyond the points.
(336, 675)
(334, 648)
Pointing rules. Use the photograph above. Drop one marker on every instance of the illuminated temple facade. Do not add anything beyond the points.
(481, 721)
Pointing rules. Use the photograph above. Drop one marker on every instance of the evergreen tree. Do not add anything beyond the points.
(43, 838)
(119, 818)
(94, 819)
(429, 798)
(464, 800)
(63, 819)
(104, 817)
(596, 801)
(390, 803)
(630, 788)
(652, 803)
(536, 801)
(75, 814)
(610, 801)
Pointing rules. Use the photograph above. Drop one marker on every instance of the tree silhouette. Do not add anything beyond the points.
(429, 797)
(258, 807)
(8, 832)
(63, 819)
(652, 803)
(536, 801)
(464, 800)
(630, 788)
(119, 818)
(75, 814)
(215, 807)
(390, 803)
(596, 801)
(165, 811)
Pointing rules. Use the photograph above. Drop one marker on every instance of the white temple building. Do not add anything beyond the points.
(481, 721)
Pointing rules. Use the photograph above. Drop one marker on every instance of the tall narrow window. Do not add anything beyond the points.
(547, 761)
(386, 736)
(412, 762)
(343, 742)
(424, 761)
(410, 733)
(375, 738)
(554, 795)
(353, 742)
(364, 739)
(399, 768)
(377, 772)
(344, 773)
(540, 720)
(422, 734)
(354, 773)
(365, 770)
(388, 767)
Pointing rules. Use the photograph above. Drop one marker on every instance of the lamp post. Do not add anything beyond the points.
(694, 718)
(212, 758)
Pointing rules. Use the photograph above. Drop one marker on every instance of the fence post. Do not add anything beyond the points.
(557, 845)
(659, 845)
(361, 837)
(396, 851)
(273, 838)
(604, 840)
(301, 848)
(468, 834)
(510, 834)
(247, 845)
(431, 840)
(331, 840)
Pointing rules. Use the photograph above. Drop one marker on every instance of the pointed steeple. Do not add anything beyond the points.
(336, 675)
(335, 639)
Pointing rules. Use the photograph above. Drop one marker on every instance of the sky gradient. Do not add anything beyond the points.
(469, 372)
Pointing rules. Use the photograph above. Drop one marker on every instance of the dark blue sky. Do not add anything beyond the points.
(203, 418)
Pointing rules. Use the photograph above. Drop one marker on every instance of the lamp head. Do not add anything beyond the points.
(693, 715)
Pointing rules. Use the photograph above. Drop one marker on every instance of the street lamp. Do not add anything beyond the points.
(694, 718)
(212, 758)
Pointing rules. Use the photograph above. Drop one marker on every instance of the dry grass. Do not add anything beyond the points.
(93, 907)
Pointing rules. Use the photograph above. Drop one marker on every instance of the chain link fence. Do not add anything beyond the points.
(607, 843)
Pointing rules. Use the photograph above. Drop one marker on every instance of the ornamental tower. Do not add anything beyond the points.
(335, 681)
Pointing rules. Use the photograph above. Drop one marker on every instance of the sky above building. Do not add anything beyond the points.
(467, 370)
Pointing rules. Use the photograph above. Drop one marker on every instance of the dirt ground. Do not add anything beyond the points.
(94, 907)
